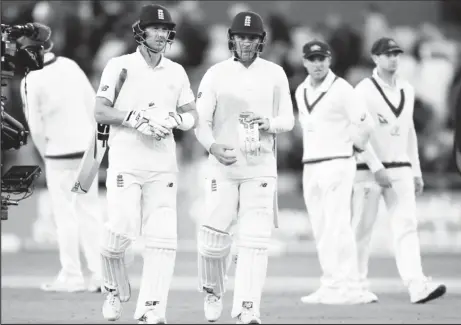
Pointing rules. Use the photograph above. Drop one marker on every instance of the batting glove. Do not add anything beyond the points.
(137, 120)
(174, 119)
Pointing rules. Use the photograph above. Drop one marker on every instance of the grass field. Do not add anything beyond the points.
(289, 277)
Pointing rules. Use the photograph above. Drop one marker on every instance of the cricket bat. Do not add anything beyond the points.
(457, 136)
(274, 114)
(97, 149)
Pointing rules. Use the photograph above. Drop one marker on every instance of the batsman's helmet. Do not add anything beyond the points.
(152, 15)
(247, 23)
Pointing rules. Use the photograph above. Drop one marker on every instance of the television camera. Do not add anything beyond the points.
(17, 60)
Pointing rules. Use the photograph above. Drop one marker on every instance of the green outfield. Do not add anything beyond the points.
(289, 277)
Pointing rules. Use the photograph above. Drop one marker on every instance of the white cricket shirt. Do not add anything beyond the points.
(165, 88)
(394, 138)
(332, 118)
(229, 88)
(59, 104)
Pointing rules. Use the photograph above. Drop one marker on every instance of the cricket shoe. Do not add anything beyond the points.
(112, 307)
(425, 290)
(151, 317)
(213, 307)
(64, 283)
(248, 315)
(316, 296)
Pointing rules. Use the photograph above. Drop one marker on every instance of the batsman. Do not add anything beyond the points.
(242, 103)
(142, 176)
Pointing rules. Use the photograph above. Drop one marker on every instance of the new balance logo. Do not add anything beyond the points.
(160, 14)
(247, 21)
(382, 120)
(263, 185)
(151, 104)
(170, 185)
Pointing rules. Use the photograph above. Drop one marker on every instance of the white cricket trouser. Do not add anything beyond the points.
(327, 188)
(135, 198)
(143, 203)
(78, 217)
(245, 205)
(401, 207)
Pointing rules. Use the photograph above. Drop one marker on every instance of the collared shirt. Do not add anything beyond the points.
(391, 107)
(58, 104)
(163, 88)
(228, 89)
(332, 118)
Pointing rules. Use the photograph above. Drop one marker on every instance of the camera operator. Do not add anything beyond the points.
(58, 103)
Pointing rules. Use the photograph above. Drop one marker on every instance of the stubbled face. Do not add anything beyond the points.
(157, 36)
(317, 66)
(246, 46)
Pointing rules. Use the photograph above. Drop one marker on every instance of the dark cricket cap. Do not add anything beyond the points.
(316, 48)
(385, 45)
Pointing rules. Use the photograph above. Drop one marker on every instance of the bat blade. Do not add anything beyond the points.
(97, 149)
(89, 166)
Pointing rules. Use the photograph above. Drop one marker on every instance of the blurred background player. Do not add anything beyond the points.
(334, 122)
(58, 103)
(237, 127)
(390, 168)
(142, 176)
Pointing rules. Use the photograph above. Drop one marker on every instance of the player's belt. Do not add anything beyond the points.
(73, 155)
(319, 160)
(386, 165)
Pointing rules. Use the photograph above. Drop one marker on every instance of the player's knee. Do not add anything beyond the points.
(161, 223)
(213, 243)
(113, 244)
(256, 229)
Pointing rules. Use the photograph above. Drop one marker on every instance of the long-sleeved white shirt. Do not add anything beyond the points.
(161, 89)
(58, 103)
(228, 89)
(394, 140)
(333, 119)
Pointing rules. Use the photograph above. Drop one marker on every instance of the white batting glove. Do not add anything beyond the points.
(174, 120)
(137, 120)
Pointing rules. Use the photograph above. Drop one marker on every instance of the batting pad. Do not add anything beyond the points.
(213, 252)
(159, 261)
(113, 264)
(250, 273)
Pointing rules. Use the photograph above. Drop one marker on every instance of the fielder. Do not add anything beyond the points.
(238, 122)
(335, 123)
(390, 168)
(142, 175)
(58, 103)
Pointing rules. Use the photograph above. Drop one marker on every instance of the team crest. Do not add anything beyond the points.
(247, 21)
(120, 180)
(160, 14)
(315, 47)
(391, 43)
(214, 186)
